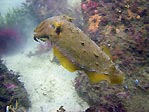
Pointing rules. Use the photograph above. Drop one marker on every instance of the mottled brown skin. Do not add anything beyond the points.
(76, 46)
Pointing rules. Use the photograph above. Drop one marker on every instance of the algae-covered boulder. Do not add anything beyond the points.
(122, 26)
(13, 95)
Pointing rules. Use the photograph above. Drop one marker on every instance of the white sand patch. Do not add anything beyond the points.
(49, 85)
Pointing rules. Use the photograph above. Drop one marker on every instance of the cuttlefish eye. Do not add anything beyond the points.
(57, 26)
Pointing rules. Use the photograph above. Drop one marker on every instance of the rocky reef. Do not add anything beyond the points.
(122, 26)
(43, 9)
(13, 95)
(114, 98)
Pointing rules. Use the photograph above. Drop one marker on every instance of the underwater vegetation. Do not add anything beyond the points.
(13, 95)
(42, 9)
(13, 30)
(46, 8)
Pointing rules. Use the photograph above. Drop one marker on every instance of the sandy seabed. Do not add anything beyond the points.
(48, 84)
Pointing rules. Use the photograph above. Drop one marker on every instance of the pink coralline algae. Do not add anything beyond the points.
(10, 85)
(84, 6)
(89, 5)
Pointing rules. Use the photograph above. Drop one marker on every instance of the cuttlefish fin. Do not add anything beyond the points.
(112, 69)
(106, 50)
(64, 61)
(70, 19)
(97, 77)
(115, 79)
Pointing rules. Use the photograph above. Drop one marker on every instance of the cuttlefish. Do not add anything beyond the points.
(76, 51)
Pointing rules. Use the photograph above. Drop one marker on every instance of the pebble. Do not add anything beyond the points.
(136, 82)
